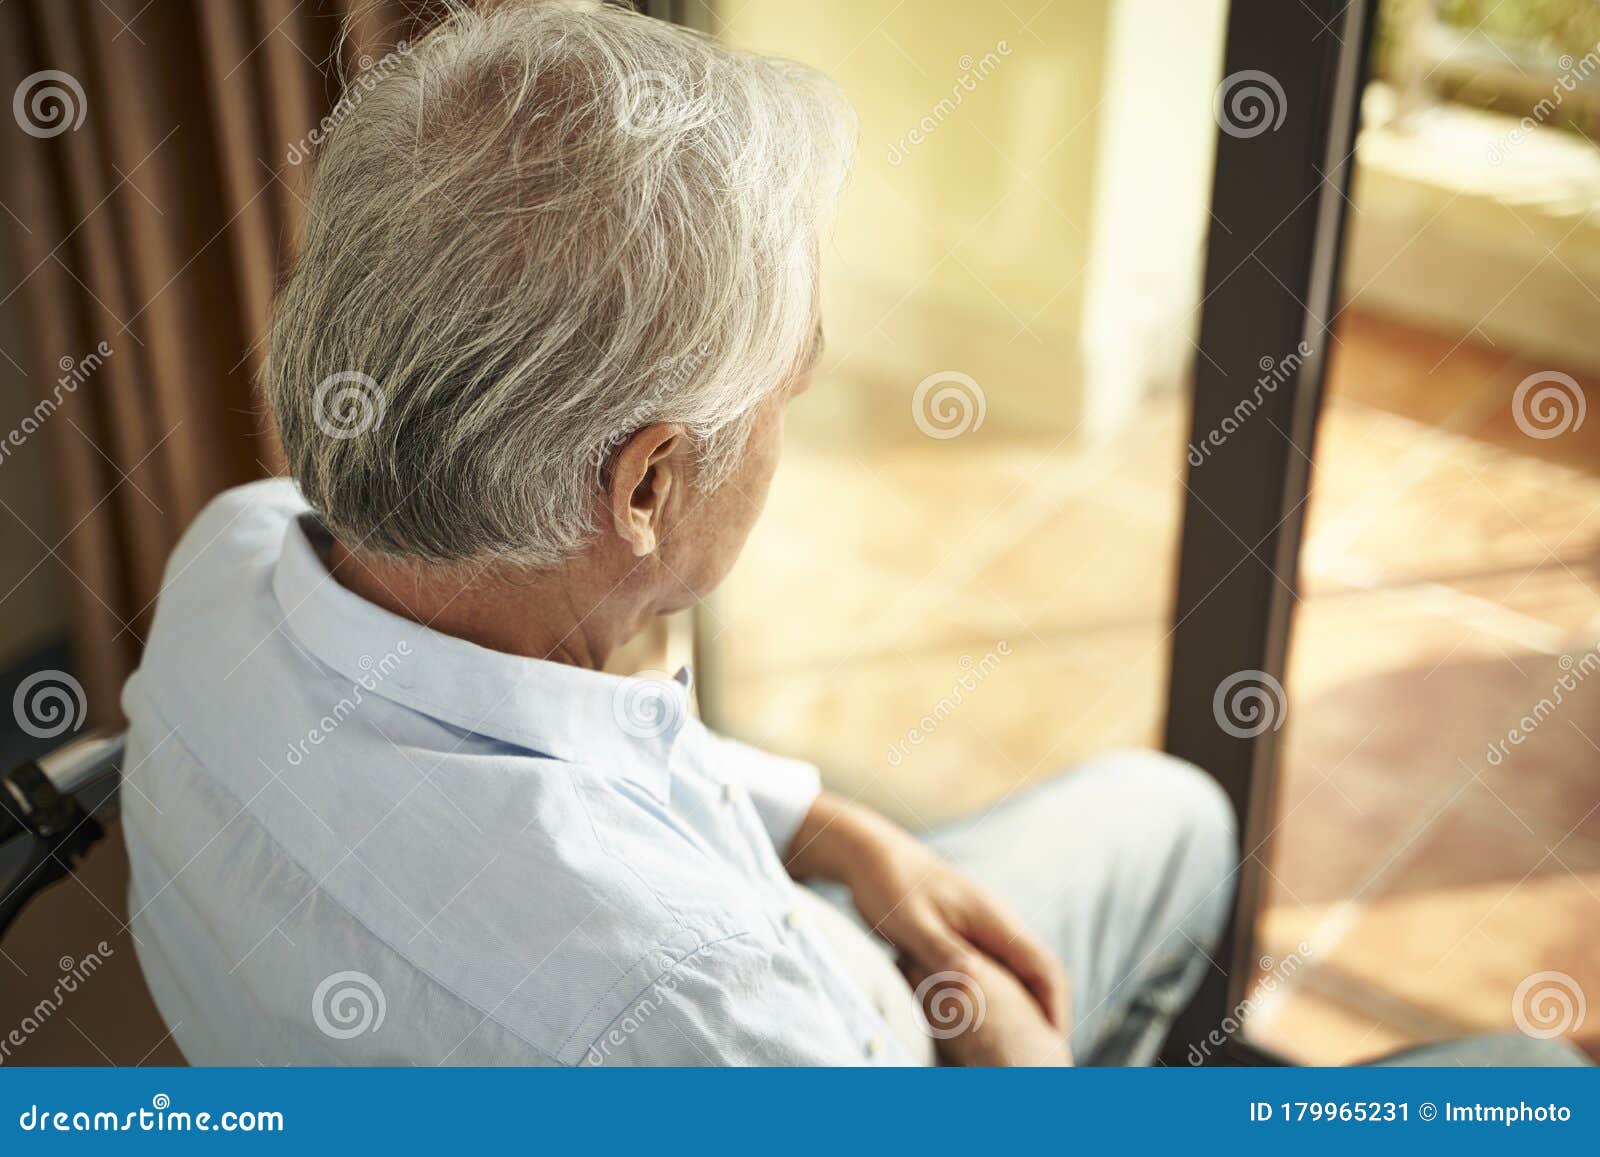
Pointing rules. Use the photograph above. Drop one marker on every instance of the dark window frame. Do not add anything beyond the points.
(1279, 201)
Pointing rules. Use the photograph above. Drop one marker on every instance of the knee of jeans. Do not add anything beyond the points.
(1196, 818)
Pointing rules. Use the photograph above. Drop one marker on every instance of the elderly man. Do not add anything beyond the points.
(558, 285)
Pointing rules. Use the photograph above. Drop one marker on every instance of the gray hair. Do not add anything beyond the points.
(549, 224)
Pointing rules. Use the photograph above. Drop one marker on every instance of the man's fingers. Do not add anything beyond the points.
(953, 1000)
(926, 937)
(1044, 976)
(931, 943)
(914, 972)
(938, 949)
(1007, 941)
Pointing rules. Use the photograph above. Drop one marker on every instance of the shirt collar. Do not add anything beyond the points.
(624, 725)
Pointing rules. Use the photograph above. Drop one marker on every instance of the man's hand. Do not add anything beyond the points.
(987, 1018)
(939, 919)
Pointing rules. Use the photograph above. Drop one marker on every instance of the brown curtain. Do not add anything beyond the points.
(158, 225)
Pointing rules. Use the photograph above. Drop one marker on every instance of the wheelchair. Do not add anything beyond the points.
(52, 811)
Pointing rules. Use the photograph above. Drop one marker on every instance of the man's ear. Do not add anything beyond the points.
(646, 473)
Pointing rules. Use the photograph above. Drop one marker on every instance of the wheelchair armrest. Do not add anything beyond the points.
(48, 806)
(39, 796)
(84, 762)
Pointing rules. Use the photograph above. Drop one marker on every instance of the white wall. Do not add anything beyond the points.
(1467, 223)
(1152, 200)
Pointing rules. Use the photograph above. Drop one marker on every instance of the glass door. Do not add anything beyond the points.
(1416, 773)
(1433, 869)
(964, 579)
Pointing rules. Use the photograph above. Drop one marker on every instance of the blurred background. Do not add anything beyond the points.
(965, 577)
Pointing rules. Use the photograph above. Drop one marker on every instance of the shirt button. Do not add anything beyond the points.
(794, 918)
(874, 1046)
(731, 792)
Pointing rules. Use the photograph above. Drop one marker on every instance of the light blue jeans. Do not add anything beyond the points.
(1123, 866)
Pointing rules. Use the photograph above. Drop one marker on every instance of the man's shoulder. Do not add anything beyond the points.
(228, 551)
(214, 610)
(245, 520)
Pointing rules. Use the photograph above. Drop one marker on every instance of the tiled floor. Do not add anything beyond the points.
(1452, 584)
(1450, 563)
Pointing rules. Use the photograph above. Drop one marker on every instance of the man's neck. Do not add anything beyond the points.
(551, 614)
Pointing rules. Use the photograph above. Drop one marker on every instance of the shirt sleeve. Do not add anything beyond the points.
(739, 1002)
(781, 789)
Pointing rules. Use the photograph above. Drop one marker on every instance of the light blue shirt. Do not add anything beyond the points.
(357, 840)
